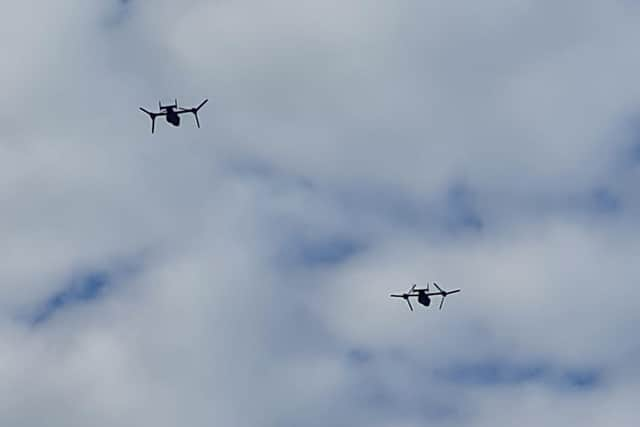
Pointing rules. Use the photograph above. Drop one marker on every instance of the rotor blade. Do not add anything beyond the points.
(396, 296)
(201, 104)
(441, 302)
(153, 118)
(409, 302)
(439, 288)
(413, 288)
(453, 292)
(195, 113)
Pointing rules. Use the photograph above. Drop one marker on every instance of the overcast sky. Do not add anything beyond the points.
(238, 274)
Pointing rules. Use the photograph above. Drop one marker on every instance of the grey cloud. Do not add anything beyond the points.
(347, 151)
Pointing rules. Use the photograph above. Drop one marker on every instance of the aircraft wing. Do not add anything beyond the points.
(151, 113)
(431, 294)
(443, 293)
(193, 109)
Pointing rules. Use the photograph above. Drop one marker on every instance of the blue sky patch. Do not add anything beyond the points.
(309, 252)
(461, 210)
(602, 200)
(359, 356)
(331, 251)
(86, 286)
(119, 13)
(504, 373)
(581, 379)
(82, 288)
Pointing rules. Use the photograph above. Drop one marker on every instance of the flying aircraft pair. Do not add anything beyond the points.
(423, 295)
(172, 113)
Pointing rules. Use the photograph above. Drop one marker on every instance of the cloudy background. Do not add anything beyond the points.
(239, 274)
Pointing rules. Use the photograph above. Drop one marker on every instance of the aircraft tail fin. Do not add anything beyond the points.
(174, 105)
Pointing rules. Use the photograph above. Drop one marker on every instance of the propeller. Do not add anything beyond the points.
(202, 104)
(153, 118)
(439, 288)
(444, 293)
(195, 111)
(405, 296)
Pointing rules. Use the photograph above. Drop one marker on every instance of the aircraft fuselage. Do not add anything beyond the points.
(173, 117)
(423, 298)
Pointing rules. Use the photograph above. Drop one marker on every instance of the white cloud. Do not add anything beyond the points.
(342, 121)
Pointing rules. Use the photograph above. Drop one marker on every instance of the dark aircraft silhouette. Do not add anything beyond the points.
(172, 113)
(424, 296)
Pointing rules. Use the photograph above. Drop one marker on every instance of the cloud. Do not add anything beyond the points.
(348, 150)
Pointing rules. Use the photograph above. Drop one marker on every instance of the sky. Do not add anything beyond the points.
(239, 274)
